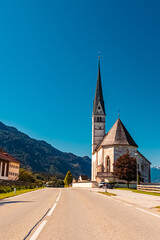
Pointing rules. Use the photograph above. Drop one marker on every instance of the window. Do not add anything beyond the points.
(3, 167)
(107, 164)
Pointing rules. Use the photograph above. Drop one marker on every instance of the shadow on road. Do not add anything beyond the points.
(36, 225)
(9, 202)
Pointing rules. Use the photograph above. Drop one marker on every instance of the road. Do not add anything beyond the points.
(56, 214)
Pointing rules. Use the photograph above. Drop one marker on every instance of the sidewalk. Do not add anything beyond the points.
(144, 200)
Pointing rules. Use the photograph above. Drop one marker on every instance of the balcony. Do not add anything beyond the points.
(104, 174)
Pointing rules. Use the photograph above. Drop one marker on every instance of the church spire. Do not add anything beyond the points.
(98, 95)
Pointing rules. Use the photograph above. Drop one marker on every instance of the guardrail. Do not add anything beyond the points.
(149, 188)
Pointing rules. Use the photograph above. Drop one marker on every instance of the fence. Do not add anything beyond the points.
(149, 187)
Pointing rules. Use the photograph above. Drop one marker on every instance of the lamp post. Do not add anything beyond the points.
(136, 155)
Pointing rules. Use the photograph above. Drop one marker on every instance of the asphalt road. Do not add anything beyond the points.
(75, 214)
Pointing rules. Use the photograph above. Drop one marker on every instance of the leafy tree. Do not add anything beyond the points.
(125, 168)
(68, 179)
(26, 175)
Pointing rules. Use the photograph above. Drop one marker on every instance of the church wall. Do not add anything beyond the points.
(94, 163)
(120, 150)
(100, 160)
(144, 168)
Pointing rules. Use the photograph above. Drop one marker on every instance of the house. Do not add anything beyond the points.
(9, 166)
(83, 178)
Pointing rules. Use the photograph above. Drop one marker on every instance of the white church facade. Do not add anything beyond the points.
(107, 147)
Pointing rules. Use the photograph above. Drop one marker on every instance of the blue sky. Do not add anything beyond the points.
(48, 69)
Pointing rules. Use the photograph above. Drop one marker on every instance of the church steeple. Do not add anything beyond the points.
(98, 94)
(98, 117)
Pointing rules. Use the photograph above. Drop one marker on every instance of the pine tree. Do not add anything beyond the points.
(125, 168)
(68, 179)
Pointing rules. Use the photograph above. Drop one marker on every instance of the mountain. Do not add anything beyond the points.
(39, 156)
(155, 174)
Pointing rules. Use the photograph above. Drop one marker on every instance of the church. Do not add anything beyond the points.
(107, 147)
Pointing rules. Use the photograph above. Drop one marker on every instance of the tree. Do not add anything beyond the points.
(125, 168)
(26, 175)
(68, 179)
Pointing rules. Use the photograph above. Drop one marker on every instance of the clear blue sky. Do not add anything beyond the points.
(48, 69)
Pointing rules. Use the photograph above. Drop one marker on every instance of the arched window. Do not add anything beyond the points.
(107, 164)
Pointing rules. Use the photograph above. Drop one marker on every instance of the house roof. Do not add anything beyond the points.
(84, 177)
(118, 135)
(7, 157)
(98, 94)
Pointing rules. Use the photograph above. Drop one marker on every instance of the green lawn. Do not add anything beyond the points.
(137, 191)
(108, 193)
(18, 192)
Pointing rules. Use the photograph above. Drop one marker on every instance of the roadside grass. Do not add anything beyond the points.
(108, 193)
(129, 189)
(158, 208)
(18, 192)
(141, 192)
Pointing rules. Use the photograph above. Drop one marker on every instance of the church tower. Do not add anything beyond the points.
(98, 117)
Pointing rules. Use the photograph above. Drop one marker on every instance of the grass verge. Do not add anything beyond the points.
(142, 192)
(108, 193)
(18, 192)
(158, 208)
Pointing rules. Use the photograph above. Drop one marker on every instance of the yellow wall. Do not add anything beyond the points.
(13, 171)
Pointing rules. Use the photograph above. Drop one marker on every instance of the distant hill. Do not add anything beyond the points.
(155, 174)
(39, 156)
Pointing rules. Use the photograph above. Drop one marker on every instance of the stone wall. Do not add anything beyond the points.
(120, 150)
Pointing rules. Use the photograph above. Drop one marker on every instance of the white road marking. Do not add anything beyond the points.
(54, 205)
(127, 204)
(52, 209)
(37, 232)
(57, 199)
(118, 200)
(148, 212)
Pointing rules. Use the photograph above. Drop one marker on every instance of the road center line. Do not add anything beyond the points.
(148, 212)
(54, 205)
(39, 229)
(52, 209)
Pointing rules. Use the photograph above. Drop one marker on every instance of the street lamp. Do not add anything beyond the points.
(136, 155)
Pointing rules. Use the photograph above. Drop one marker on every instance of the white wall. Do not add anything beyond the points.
(84, 185)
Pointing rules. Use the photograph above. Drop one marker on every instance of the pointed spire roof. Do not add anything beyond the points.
(98, 95)
(118, 135)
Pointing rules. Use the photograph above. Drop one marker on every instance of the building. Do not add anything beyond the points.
(9, 166)
(107, 147)
(83, 178)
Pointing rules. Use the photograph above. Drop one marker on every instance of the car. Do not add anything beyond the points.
(101, 184)
(105, 185)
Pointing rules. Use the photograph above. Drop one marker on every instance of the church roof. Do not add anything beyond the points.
(118, 135)
(98, 94)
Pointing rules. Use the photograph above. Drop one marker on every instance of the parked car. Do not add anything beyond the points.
(101, 184)
(106, 185)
